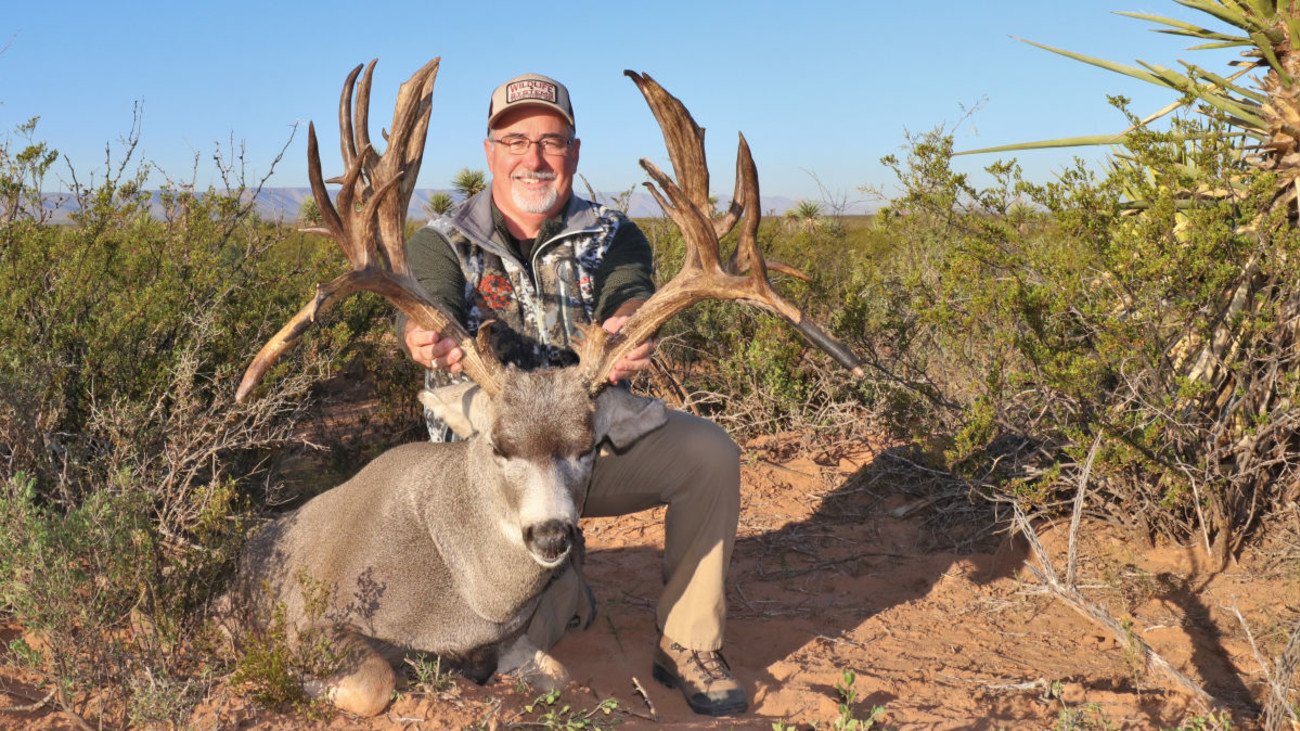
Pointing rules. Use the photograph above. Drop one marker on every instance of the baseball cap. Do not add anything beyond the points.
(530, 90)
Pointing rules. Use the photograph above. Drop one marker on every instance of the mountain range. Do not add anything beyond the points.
(283, 204)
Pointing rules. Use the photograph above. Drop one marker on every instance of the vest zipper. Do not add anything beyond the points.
(565, 321)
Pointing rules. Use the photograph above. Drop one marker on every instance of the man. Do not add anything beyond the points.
(539, 260)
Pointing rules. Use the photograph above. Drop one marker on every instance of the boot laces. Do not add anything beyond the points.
(709, 664)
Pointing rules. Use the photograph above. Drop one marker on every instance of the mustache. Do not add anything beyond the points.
(535, 174)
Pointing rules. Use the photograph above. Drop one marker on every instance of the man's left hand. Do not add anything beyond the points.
(637, 360)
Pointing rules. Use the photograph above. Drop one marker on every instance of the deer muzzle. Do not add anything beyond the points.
(549, 542)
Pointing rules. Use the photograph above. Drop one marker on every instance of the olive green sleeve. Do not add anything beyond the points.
(435, 266)
(627, 272)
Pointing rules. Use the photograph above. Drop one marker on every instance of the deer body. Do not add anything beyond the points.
(437, 548)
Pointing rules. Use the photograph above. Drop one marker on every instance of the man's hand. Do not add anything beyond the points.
(635, 361)
(431, 350)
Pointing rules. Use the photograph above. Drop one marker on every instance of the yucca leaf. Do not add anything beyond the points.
(1249, 12)
(1232, 17)
(1234, 40)
(1293, 25)
(1240, 115)
(1266, 48)
(1101, 63)
(1267, 10)
(1206, 93)
(1217, 46)
(1255, 130)
(1185, 29)
(1086, 141)
(1173, 79)
(1227, 85)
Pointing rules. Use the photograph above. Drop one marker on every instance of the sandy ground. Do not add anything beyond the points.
(847, 563)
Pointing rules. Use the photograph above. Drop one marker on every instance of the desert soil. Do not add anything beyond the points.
(852, 561)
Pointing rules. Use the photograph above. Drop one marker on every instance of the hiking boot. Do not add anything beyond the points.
(703, 676)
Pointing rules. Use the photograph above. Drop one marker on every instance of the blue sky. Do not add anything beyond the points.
(822, 90)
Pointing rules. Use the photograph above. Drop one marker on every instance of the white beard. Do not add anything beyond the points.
(539, 200)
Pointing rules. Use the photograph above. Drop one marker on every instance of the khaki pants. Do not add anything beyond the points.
(693, 467)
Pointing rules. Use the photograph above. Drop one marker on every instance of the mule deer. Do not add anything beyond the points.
(446, 548)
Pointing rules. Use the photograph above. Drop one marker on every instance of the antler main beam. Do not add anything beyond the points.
(369, 222)
(703, 275)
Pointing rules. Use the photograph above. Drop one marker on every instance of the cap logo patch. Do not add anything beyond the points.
(530, 89)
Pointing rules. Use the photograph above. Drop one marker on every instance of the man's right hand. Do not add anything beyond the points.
(431, 350)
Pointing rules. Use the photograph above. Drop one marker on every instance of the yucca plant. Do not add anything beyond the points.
(469, 182)
(805, 215)
(1232, 372)
(1266, 117)
(438, 204)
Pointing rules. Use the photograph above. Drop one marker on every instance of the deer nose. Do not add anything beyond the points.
(549, 541)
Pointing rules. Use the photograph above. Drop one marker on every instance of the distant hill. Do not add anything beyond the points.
(283, 204)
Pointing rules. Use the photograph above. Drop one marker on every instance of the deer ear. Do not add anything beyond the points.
(462, 406)
(622, 417)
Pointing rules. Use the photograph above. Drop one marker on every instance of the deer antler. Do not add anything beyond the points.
(703, 276)
(369, 223)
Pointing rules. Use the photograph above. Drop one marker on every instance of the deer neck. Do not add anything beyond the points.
(484, 549)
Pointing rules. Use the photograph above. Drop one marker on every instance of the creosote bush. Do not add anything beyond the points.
(128, 475)
(750, 371)
(1048, 326)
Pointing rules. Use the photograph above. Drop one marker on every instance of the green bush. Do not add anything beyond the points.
(1038, 320)
(127, 471)
(751, 371)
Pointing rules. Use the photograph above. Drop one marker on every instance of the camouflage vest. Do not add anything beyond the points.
(536, 316)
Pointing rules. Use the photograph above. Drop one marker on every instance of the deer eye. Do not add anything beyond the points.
(503, 448)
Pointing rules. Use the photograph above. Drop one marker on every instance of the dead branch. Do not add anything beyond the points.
(31, 707)
(1277, 710)
(1075, 599)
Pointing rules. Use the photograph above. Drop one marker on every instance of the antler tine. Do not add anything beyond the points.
(684, 138)
(746, 254)
(723, 225)
(746, 201)
(702, 276)
(361, 146)
(347, 139)
(368, 223)
(405, 152)
(329, 216)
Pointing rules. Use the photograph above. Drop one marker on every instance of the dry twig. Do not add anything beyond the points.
(1075, 599)
(636, 684)
(31, 707)
(1277, 710)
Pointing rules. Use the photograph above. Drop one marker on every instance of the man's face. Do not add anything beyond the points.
(534, 183)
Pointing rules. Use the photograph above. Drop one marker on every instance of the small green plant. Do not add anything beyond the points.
(564, 717)
(275, 660)
(429, 676)
(1210, 722)
(1084, 718)
(309, 213)
(848, 697)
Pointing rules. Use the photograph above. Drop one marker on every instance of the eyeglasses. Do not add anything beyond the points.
(552, 146)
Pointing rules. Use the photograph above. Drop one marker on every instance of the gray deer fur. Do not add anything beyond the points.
(445, 548)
